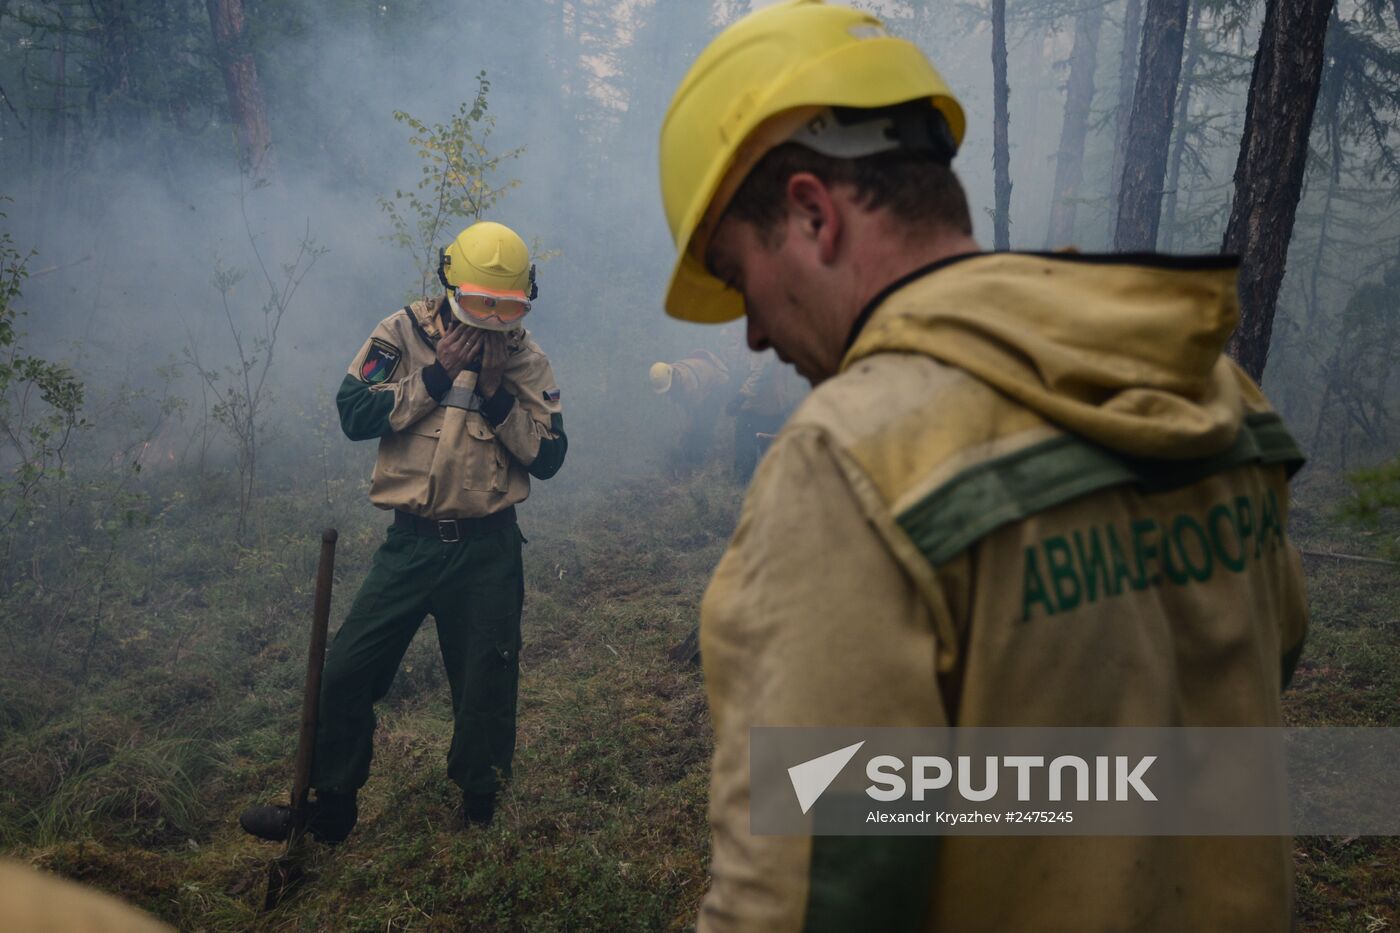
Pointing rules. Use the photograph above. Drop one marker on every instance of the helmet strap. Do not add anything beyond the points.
(921, 127)
(856, 132)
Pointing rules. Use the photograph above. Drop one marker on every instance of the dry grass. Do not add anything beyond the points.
(131, 780)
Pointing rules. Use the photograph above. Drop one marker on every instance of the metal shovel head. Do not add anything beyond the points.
(286, 872)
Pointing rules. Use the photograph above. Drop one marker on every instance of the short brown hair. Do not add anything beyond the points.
(919, 189)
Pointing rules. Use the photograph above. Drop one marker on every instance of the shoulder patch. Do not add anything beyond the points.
(551, 395)
(380, 362)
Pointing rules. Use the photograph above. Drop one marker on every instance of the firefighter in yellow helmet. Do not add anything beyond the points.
(696, 385)
(465, 408)
(903, 557)
(660, 375)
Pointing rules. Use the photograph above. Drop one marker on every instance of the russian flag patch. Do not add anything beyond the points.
(551, 395)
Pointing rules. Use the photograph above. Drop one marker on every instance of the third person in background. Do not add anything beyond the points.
(902, 558)
(758, 408)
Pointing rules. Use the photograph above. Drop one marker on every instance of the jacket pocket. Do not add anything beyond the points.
(483, 459)
(403, 470)
(411, 451)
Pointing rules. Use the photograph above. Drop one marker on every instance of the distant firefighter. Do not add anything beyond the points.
(696, 384)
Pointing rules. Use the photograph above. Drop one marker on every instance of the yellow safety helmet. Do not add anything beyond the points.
(751, 89)
(489, 279)
(660, 378)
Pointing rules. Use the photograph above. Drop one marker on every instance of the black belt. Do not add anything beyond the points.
(452, 530)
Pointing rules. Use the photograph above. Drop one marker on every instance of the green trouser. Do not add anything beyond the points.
(747, 447)
(474, 589)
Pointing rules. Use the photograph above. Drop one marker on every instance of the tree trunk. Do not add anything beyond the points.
(53, 191)
(109, 97)
(1127, 77)
(1150, 126)
(1079, 99)
(1183, 112)
(1332, 112)
(58, 120)
(1001, 144)
(245, 98)
(1269, 173)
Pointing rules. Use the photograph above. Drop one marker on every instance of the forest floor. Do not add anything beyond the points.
(1349, 675)
(157, 682)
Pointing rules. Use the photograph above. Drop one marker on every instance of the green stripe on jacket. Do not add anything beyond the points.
(1006, 489)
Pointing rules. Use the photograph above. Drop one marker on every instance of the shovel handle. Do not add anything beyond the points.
(315, 661)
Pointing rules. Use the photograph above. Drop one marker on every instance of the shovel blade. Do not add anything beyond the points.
(285, 873)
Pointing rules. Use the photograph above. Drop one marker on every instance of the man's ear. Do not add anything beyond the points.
(814, 212)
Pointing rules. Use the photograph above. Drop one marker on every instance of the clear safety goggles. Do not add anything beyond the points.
(480, 308)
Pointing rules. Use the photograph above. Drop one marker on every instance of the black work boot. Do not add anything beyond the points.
(272, 822)
(333, 816)
(329, 818)
(478, 809)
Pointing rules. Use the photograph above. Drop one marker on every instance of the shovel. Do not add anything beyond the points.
(286, 870)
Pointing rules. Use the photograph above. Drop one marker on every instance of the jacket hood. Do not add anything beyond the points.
(1126, 351)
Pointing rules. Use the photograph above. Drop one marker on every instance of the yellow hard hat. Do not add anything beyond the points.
(660, 378)
(487, 272)
(755, 85)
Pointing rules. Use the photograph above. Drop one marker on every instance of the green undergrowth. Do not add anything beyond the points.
(156, 684)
